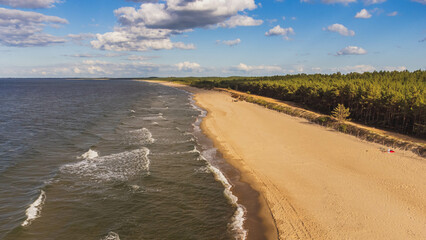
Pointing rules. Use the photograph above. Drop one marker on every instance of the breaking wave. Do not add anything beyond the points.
(114, 167)
(34, 210)
(237, 225)
(159, 116)
(140, 136)
(238, 219)
(89, 154)
(111, 236)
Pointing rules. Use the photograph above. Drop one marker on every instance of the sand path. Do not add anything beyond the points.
(318, 183)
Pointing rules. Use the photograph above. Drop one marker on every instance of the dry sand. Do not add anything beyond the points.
(318, 183)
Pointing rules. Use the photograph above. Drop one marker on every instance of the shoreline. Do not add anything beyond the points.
(259, 221)
(317, 183)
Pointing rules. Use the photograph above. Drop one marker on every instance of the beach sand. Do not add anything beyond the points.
(317, 183)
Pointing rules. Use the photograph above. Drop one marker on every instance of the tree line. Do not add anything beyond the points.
(391, 100)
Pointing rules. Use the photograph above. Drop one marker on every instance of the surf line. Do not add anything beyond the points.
(239, 217)
(34, 210)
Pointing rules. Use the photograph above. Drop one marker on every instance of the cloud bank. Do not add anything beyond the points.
(24, 29)
(153, 24)
(29, 3)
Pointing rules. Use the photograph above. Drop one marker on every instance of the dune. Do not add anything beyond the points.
(317, 183)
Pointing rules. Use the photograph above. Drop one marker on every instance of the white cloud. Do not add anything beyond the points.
(363, 14)
(188, 66)
(183, 14)
(345, 2)
(240, 20)
(339, 28)
(247, 68)
(338, 1)
(279, 31)
(98, 55)
(392, 14)
(81, 36)
(399, 69)
(352, 50)
(230, 42)
(420, 1)
(30, 3)
(370, 2)
(77, 70)
(152, 25)
(139, 58)
(316, 69)
(92, 68)
(356, 68)
(137, 38)
(24, 29)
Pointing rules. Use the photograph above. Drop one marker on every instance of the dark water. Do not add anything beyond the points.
(108, 160)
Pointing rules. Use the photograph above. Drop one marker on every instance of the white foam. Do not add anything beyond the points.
(119, 166)
(140, 136)
(237, 225)
(156, 117)
(202, 170)
(89, 154)
(111, 236)
(147, 162)
(238, 219)
(34, 210)
(195, 150)
(135, 187)
(141, 189)
(132, 111)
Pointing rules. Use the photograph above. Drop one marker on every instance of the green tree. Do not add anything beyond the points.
(341, 113)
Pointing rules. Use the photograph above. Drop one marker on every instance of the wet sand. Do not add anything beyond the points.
(317, 183)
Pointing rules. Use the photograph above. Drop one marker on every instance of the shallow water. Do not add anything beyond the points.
(108, 160)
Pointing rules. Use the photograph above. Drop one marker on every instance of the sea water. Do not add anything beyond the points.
(117, 159)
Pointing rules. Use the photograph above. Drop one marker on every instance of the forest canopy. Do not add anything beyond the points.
(392, 100)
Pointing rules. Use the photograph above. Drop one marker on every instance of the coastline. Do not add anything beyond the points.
(259, 221)
(317, 183)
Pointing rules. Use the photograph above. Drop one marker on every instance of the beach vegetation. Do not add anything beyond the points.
(341, 113)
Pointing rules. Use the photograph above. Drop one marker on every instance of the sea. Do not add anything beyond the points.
(109, 160)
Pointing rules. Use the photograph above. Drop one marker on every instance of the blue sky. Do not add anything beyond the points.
(141, 38)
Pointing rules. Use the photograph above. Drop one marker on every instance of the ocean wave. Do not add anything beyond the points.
(140, 136)
(141, 189)
(89, 154)
(195, 150)
(111, 236)
(114, 167)
(203, 169)
(34, 210)
(159, 116)
(238, 219)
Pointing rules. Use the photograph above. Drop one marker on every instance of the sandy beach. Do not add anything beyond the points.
(317, 183)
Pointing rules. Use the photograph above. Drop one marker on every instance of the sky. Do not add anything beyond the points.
(146, 38)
